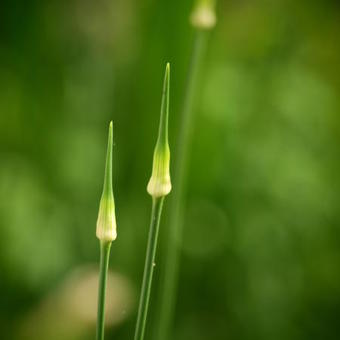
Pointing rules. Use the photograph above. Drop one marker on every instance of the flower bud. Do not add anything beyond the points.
(106, 222)
(160, 184)
(203, 15)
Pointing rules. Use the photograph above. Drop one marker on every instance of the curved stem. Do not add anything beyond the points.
(172, 257)
(157, 205)
(103, 268)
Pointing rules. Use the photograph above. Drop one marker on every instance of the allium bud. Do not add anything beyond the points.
(160, 184)
(203, 15)
(106, 222)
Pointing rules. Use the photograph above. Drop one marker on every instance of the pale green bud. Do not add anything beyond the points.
(106, 222)
(160, 183)
(203, 15)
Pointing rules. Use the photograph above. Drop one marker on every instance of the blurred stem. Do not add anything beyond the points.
(157, 205)
(104, 264)
(172, 257)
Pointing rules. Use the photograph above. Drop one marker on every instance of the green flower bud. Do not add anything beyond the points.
(160, 184)
(106, 222)
(203, 15)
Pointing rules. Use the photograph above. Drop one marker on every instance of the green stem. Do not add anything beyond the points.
(104, 264)
(172, 257)
(157, 205)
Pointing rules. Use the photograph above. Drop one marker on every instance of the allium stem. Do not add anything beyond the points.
(159, 186)
(106, 233)
(157, 205)
(104, 264)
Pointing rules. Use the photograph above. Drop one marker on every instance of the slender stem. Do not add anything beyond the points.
(157, 205)
(104, 264)
(172, 257)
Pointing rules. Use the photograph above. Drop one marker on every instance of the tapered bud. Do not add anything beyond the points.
(106, 222)
(160, 183)
(203, 15)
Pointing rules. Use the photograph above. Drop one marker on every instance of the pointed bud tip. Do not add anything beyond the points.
(167, 77)
(110, 130)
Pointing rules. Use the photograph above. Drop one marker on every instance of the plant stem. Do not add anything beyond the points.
(104, 264)
(157, 205)
(172, 257)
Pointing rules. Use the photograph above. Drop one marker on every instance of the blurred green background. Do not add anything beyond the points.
(261, 251)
